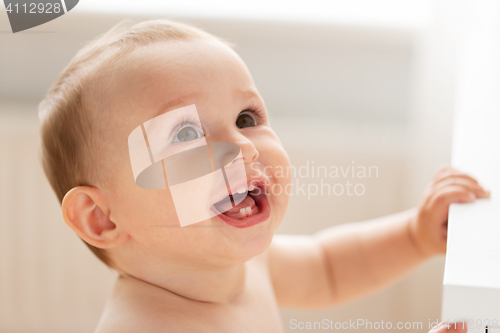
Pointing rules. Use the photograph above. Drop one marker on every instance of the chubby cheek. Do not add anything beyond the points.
(282, 184)
(276, 167)
(144, 211)
(149, 217)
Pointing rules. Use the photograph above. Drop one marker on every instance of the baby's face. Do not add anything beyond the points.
(163, 77)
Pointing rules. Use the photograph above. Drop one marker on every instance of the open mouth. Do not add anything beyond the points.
(252, 208)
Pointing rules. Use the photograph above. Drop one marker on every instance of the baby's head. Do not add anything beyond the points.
(122, 80)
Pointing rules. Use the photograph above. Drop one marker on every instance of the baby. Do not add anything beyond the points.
(225, 273)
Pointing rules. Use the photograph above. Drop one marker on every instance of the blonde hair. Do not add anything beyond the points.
(69, 129)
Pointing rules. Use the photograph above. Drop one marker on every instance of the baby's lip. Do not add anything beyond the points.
(261, 182)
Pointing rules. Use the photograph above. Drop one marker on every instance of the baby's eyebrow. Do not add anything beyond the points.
(247, 93)
(176, 104)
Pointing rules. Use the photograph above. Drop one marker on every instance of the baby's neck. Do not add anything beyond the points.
(212, 285)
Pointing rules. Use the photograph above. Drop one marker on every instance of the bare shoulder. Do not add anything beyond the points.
(137, 307)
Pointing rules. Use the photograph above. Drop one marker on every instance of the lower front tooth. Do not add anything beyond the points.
(243, 211)
(248, 209)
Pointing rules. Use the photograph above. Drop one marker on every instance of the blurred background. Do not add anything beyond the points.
(358, 82)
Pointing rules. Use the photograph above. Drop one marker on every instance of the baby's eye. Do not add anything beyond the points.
(245, 120)
(188, 133)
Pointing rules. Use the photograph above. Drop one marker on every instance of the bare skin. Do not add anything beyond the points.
(213, 277)
(137, 306)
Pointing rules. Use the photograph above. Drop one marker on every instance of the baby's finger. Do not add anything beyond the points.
(452, 174)
(452, 194)
(444, 171)
(471, 186)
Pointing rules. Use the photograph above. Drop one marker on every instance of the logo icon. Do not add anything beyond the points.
(26, 14)
(203, 177)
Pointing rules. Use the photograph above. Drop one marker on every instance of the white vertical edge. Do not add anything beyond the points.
(64, 6)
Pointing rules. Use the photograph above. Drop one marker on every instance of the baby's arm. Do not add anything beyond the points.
(345, 262)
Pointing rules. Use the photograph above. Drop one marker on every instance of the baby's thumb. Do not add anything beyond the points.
(459, 327)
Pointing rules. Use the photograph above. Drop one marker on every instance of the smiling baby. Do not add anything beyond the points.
(223, 272)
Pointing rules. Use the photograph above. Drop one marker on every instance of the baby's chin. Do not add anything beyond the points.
(247, 245)
(242, 244)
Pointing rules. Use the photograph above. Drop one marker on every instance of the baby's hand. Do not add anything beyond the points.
(430, 225)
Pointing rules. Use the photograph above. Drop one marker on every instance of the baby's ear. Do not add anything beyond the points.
(86, 211)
